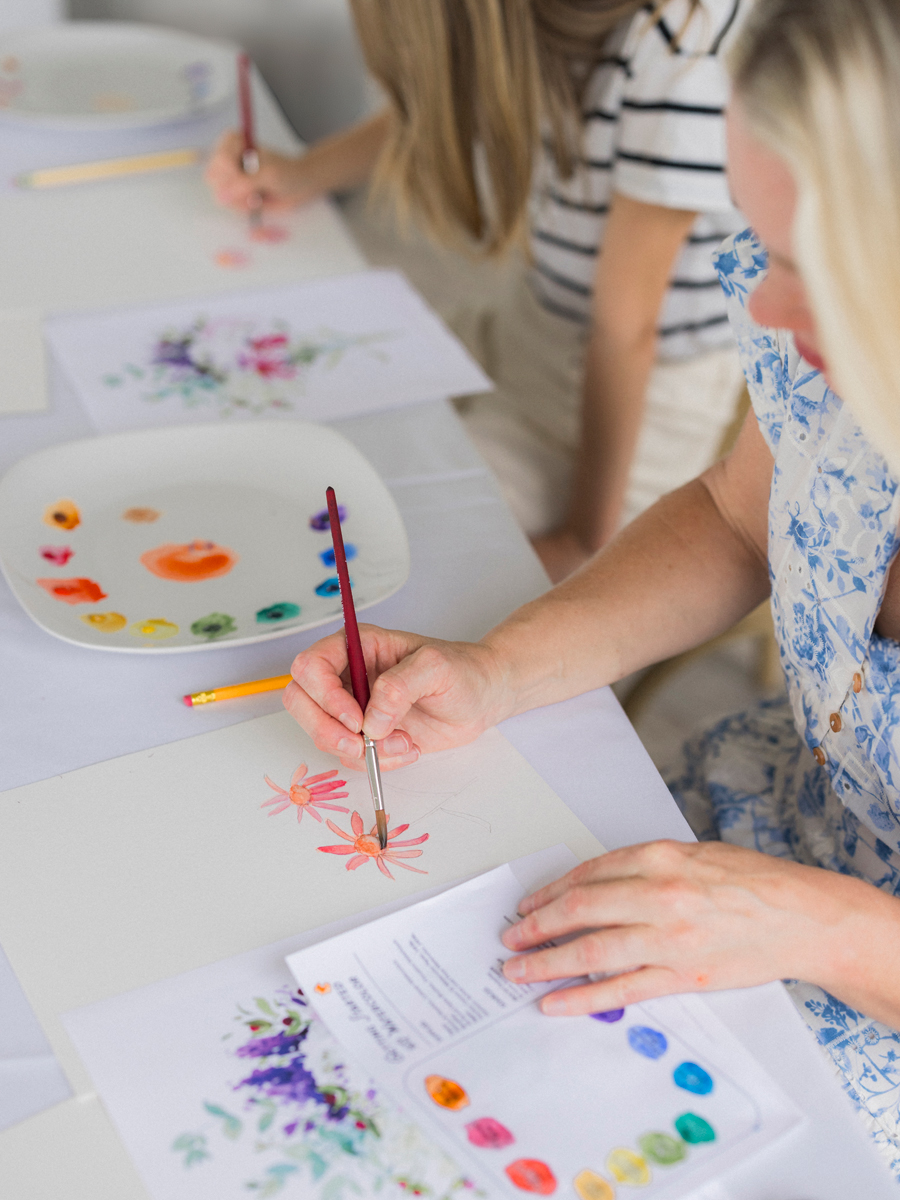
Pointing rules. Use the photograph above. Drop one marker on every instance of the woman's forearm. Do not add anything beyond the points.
(678, 575)
(346, 159)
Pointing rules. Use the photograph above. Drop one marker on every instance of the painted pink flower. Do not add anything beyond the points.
(268, 356)
(307, 796)
(58, 555)
(365, 846)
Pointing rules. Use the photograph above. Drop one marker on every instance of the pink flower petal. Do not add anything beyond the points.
(280, 809)
(316, 778)
(356, 824)
(392, 833)
(407, 867)
(334, 829)
(333, 807)
(391, 853)
(321, 789)
(274, 786)
(357, 862)
(337, 849)
(411, 841)
(382, 867)
(281, 798)
(298, 774)
(312, 812)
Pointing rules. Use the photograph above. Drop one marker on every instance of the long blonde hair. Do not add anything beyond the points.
(819, 81)
(470, 84)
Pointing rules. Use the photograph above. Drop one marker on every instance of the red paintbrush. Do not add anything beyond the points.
(250, 155)
(359, 680)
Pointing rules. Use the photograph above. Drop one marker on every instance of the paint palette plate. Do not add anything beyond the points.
(110, 75)
(189, 538)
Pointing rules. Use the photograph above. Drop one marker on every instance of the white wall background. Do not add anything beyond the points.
(306, 49)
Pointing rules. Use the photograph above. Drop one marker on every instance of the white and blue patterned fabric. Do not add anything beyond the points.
(816, 776)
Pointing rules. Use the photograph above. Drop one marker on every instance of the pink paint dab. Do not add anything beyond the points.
(270, 233)
(58, 555)
(231, 258)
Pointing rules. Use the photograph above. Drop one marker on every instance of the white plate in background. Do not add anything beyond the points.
(234, 505)
(110, 75)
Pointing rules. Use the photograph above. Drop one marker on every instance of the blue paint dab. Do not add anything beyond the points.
(612, 1014)
(327, 556)
(693, 1078)
(330, 587)
(649, 1042)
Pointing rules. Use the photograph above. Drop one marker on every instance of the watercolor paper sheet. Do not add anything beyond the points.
(658, 1096)
(245, 1091)
(333, 348)
(146, 866)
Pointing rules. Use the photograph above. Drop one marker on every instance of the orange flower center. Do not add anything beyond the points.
(300, 795)
(368, 844)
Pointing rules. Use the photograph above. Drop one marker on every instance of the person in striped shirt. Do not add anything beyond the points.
(593, 131)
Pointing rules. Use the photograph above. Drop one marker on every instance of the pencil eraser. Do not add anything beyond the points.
(188, 701)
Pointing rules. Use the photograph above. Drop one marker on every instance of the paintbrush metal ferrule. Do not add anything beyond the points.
(374, 772)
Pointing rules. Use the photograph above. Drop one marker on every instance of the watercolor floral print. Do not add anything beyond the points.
(365, 847)
(233, 364)
(296, 1107)
(306, 795)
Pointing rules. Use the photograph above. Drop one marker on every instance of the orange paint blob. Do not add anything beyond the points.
(62, 515)
(269, 233)
(73, 591)
(231, 258)
(446, 1092)
(322, 988)
(532, 1175)
(141, 516)
(108, 622)
(189, 563)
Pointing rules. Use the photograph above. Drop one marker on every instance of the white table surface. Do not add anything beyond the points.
(63, 707)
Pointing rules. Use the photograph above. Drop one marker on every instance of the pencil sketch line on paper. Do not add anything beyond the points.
(365, 847)
(236, 363)
(318, 791)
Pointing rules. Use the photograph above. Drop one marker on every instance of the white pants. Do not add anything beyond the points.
(528, 429)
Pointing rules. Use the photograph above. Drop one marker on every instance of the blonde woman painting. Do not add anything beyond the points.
(593, 130)
(797, 803)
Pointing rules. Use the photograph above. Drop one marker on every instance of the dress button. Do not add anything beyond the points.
(857, 682)
(819, 755)
(835, 722)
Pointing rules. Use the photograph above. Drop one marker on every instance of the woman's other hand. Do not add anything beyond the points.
(671, 917)
(278, 184)
(425, 695)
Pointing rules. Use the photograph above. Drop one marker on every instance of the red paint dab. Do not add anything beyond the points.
(532, 1175)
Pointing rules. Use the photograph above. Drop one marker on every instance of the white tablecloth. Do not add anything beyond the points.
(63, 707)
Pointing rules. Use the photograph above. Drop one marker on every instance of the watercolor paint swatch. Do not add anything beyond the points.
(658, 1096)
(333, 348)
(190, 538)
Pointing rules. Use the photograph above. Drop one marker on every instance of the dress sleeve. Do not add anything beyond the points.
(741, 262)
(671, 136)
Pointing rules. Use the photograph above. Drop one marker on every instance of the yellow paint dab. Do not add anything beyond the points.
(110, 622)
(591, 1186)
(62, 515)
(157, 629)
(628, 1167)
(446, 1092)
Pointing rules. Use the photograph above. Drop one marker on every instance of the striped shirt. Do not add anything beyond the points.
(653, 130)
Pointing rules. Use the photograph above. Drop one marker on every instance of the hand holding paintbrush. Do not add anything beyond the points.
(359, 680)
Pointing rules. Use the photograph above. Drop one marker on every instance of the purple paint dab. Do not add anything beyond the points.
(319, 521)
(611, 1015)
(649, 1042)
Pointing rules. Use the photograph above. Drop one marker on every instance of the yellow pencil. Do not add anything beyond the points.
(109, 168)
(233, 690)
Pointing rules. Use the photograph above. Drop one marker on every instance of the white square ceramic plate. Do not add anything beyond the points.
(188, 538)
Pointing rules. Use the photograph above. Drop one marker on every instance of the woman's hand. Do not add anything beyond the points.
(688, 917)
(425, 695)
(279, 184)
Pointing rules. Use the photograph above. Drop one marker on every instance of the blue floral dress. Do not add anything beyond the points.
(815, 776)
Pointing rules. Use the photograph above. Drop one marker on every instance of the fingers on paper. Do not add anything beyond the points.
(629, 988)
(599, 952)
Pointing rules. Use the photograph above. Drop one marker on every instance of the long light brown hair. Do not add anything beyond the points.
(819, 82)
(472, 85)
